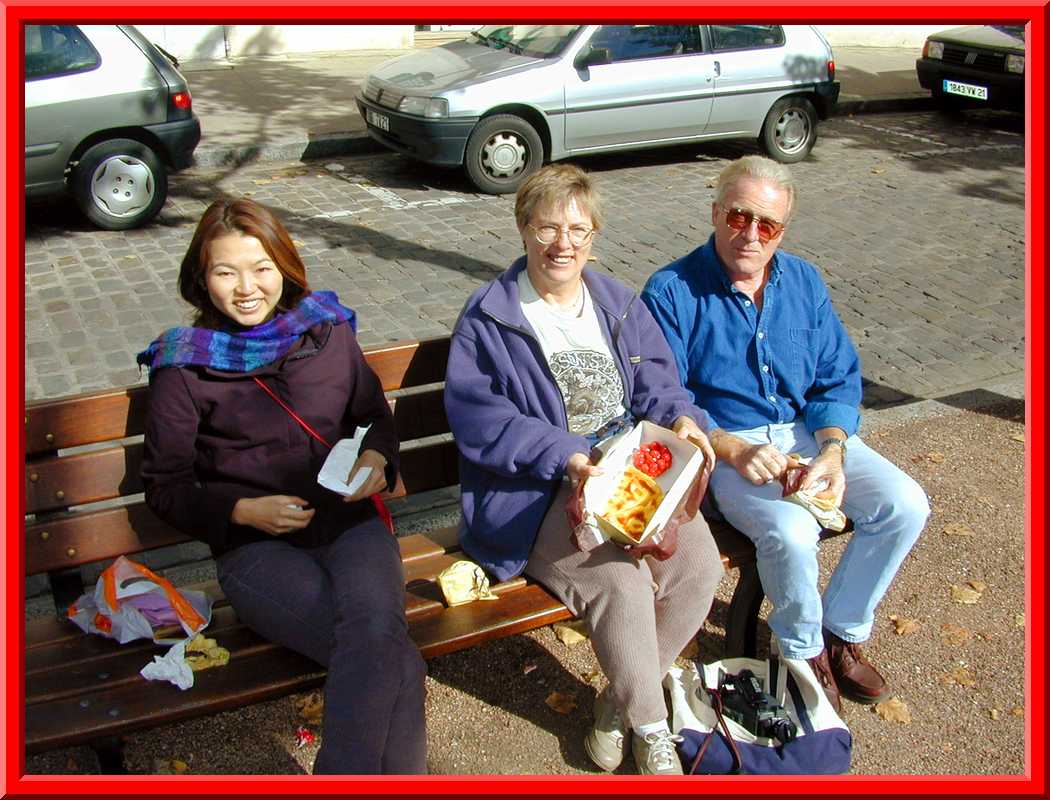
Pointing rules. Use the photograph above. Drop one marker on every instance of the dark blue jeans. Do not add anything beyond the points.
(343, 605)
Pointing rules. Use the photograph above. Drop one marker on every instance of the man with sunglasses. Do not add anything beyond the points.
(759, 346)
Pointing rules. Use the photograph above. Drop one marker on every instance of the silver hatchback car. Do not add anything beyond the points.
(107, 115)
(514, 96)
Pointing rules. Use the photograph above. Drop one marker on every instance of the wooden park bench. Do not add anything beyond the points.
(83, 504)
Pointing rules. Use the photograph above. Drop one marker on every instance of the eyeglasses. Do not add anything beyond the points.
(579, 235)
(740, 220)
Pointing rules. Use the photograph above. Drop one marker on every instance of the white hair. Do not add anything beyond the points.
(759, 168)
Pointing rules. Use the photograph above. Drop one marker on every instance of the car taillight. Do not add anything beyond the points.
(182, 101)
(831, 69)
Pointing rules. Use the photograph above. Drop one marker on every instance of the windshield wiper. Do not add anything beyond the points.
(482, 38)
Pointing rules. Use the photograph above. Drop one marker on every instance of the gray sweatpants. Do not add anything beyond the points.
(641, 614)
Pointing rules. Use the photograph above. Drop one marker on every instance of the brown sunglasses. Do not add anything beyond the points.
(740, 220)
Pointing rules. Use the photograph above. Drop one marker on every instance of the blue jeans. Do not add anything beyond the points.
(343, 606)
(889, 511)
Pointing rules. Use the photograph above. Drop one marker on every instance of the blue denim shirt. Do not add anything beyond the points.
(748, 368)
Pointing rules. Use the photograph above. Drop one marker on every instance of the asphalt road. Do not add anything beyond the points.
(917, 221)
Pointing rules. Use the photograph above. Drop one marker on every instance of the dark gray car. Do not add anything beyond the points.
(107, 116)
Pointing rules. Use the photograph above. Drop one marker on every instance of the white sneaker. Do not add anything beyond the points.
(607, 741)
(655, 753)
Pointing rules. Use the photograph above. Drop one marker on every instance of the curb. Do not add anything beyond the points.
(355, 143)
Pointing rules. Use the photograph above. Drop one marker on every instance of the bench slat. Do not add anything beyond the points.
(257, 670)
(85, 419)
(403, 365)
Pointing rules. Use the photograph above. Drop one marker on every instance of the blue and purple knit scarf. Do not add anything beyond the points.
(246, 349)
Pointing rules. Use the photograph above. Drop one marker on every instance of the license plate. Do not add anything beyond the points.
(966, 90)
(381, 121)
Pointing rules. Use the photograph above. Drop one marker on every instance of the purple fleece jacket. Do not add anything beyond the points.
(508, 416)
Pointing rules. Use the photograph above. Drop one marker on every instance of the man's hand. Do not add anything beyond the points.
(275, 514)
(758, 463)
(685, 428)
(827, 468)
(375, 482)
(579, 467)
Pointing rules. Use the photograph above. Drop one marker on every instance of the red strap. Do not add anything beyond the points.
(288, 408)
(377, 501)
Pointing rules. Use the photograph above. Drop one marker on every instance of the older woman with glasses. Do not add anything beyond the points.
(545, 360)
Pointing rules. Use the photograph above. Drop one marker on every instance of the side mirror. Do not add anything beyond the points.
(591, 57)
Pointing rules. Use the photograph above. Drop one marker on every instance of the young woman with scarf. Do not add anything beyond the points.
(244, 405)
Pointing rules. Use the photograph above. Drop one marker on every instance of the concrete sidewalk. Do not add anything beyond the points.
(301, 106)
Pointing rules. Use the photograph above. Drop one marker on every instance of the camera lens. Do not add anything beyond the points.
(784, 730)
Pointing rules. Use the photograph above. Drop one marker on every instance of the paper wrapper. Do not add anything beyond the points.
(464, 582)
(687, 460)
(829, 516)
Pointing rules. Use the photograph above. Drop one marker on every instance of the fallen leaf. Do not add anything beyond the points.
(993, 713)
(297, 243)
(1018, 437)
(958, 529)
(1019, 620)
(903, 627)
(877, 170)
(894, 710)
(311, 708)
(954, 635)
(965, 594)
(528, 667)
(172, 766)
(961, 676)
(947, 747)
(1017, 711)
(935, 457)
(562, 703)
(977, 586)
(570, 633)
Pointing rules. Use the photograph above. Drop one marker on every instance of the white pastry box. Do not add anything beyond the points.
(687, 460)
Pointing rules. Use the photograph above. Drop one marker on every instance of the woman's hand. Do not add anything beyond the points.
(375, 482)
(580, 468)
(685, 428)
(274, 514)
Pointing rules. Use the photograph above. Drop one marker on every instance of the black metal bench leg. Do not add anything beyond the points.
(110, 753)
(742, 626)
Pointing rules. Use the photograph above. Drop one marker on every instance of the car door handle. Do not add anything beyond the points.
(718, 69)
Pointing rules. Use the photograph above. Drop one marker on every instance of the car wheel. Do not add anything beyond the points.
(790, 130)
(501, 153)
(120, 184)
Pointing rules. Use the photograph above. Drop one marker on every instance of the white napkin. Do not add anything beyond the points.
(337, 466)
(171, 667)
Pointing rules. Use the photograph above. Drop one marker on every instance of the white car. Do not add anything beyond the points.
(107, 115)
(513, 96)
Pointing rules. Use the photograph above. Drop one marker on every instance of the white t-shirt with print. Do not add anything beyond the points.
(579, 358)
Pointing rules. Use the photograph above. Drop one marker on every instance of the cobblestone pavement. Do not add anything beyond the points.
(917, 221)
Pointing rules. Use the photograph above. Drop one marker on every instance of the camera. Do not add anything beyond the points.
(744, 702)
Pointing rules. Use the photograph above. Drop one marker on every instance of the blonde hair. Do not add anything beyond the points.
(557, 185)
(759, 168)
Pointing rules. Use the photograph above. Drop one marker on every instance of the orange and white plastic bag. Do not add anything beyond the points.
(128, 596)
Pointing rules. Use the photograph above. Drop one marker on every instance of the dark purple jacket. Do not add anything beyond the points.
(508, 416)
(215, 437)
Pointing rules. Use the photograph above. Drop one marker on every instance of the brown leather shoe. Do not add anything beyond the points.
(822, 669)
(857, 679)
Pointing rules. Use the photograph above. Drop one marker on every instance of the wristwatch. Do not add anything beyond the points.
(834, 440)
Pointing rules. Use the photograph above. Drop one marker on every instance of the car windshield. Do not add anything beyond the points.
(538, 41)
(1013, 30)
